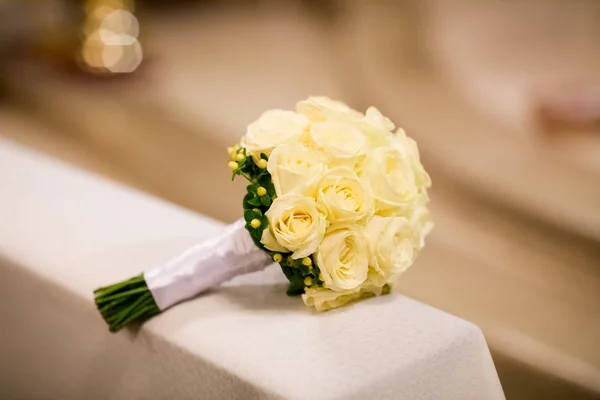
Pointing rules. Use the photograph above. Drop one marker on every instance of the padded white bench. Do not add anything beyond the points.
(64, 232)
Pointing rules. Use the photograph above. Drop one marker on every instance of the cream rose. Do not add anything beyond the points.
(295, 168)
(392, 179)
(340, 139)
(273, 128)
(408, 147)
(393, 245)
(343, 259)
(376, 119)
(324, 299)
(421, 222)
(377, 129)
(323, 108)
(295, 225)
(344, 197)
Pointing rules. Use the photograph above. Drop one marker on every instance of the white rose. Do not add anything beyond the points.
(295, 225)
(324, 299)
(323, 108)
(340, 139)
(344, 197)
(295, 168)
(343, 259)
(393, 245)
(377, 129)
(392, 179)
(421, 222)
(375, 118)
(409, 148)
(274, 127)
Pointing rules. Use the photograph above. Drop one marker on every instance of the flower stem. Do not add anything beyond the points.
(125, 302)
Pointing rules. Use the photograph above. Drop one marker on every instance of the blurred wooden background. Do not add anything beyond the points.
(516, 248)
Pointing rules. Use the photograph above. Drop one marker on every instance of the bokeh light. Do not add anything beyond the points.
(110, 43)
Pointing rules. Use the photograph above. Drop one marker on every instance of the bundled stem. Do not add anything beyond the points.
(125, 302)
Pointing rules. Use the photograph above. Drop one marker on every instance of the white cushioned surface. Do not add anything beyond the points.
(64, 232)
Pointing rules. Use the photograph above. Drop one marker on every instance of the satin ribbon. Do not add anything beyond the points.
(206, 265)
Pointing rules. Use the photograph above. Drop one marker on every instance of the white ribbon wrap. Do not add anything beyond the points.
(206, 265)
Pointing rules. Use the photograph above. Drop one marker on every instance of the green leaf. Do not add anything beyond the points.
(265, 181)
(255, 201)
(265, 200)
(386, 289)
(249, 215)
(255, 234)
(245, 203)
(295, 290)
(296, 280)
(305, 270)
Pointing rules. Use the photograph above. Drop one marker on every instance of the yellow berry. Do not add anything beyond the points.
(232, 165)
(277, 258)
(290, 260)
(261, 191)
(230, 150)
(255, 223)
(306, 261)
(237, 147)
(321, 277)
(262, 164)
(308, 281)
(240, 156)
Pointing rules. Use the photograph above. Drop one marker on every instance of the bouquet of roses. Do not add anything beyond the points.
(336, 198)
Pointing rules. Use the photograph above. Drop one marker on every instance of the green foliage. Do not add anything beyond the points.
(387, 288)
(255, 207)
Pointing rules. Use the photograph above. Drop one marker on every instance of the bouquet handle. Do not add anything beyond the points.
(206, 265)
(196, 270)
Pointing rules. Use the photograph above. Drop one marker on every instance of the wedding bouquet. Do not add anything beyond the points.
(336, 198)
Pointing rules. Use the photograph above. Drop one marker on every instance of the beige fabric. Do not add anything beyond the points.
(64, 232)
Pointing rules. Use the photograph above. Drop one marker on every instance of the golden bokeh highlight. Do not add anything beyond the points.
(110, 38)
